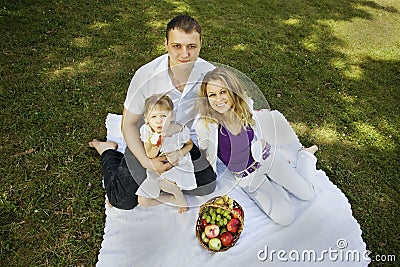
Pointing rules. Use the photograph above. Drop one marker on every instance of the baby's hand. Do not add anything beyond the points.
(155, 139)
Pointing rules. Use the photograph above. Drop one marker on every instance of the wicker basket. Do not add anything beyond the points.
(232, 212)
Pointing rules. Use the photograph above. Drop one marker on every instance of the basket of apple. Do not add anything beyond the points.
(219, 224)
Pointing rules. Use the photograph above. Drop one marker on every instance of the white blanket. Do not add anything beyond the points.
(324, 232)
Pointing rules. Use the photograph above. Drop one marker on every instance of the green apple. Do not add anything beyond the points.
(215, 244)
(204, 237)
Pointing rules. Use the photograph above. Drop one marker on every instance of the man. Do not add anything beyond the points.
(178, 74)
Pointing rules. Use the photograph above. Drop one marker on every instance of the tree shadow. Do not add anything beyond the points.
(375, 5)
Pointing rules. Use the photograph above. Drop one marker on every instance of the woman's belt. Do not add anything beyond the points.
(255, 165)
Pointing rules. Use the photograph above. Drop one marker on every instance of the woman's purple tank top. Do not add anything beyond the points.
(234, 150)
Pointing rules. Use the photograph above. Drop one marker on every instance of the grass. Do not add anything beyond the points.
(332, 67)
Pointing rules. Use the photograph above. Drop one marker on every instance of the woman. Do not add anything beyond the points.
(229, 130)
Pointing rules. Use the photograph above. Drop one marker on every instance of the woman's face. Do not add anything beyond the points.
(218, 96)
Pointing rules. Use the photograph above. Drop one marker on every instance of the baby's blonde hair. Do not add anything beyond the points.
(159, 101)
(236, 93)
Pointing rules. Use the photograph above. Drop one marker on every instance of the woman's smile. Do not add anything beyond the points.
(218, 96)
(220, 105)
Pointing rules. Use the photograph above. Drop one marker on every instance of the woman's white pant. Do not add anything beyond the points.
(266, 186)
(277, 131)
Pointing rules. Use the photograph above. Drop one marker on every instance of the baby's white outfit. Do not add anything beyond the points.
(182, 174)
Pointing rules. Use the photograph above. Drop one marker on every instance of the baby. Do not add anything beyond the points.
(162, 136)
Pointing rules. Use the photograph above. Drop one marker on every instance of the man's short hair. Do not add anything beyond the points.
(185, 23)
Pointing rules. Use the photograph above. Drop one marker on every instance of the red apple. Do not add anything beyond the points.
(211, 230)
(203, 223)
(233, 225)
(226, 239)
(239, 211)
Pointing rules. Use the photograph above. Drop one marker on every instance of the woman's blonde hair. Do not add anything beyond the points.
(157, 101)
(236, 93)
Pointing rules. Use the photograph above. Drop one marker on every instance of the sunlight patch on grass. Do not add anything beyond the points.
(161, 49)
(365, 38)
(390, 132)
(371, 136)
(311, 42)
(99, 25)
(118, 49)
(79, 67)
(373, 37)
(353, 72)
(348, 99)
(281, 47)
(180, 7)
(338, 63)
(326, 134)
(157, 24)
(241, 47)
(82, 41)
(300, 128)
(292, 22)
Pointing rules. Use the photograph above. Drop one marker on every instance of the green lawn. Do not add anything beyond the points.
(331, 66)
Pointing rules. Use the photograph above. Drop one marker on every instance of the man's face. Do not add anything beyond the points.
(182, 47)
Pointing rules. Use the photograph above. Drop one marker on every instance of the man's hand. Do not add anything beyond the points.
(160, 164)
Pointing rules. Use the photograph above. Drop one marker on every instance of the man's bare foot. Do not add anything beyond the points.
(102, 146)
(312, 149)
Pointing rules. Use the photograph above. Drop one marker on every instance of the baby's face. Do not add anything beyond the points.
(159, 119)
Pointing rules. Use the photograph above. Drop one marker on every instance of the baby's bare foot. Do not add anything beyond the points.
(312, 149)
(102, 146)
